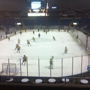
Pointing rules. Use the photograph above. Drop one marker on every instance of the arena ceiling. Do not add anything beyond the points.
(74, 8)
(70, 8)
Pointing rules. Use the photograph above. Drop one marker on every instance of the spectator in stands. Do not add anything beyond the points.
(25, 30)
(38, 29)
(6, 36)
(6, 33)
(15, 32)
(11, 32)
(1, 36)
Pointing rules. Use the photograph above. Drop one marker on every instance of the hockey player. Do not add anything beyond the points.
(15, 32)
(20, 32)
(51, 62)
(66, 50)
(33, 32)
(33, 39)
(39, 35)
(16, 46)
(24, 59)
(46, 32)
(18, 41)
(8, 37)
(54, 38)
(18, 49)
(59, 29)
(28, 43)
(48, 29)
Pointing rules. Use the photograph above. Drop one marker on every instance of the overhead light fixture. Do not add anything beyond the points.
(75, 23)
(18, 23)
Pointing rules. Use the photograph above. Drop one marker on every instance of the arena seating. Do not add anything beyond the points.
(53, 21)
(29, 22)
(10, 22)
(65, 22)
(40, 21)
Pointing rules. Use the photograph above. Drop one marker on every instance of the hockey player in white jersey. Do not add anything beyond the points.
(18, 41)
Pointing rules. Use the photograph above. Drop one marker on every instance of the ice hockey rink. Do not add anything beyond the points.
(40, 52)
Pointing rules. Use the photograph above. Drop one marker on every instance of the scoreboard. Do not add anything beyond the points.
(36, 8)
(36, 5)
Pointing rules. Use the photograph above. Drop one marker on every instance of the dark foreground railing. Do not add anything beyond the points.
(45, 80)
(43, 83)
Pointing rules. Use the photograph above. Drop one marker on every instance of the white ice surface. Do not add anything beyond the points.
(43, 48)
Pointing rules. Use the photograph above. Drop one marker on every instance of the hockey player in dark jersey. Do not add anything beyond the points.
(16, 46)
(39, 35)
(46, 32)
(66, 49)
(33, 32)
(28, 43)
(54, 38)
(18, 49)
(8, 37)
(20, 32)
(24, 59)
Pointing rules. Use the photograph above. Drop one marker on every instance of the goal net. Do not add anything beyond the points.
(9, 69)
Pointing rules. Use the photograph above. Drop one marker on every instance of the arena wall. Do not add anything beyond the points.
(82, 38)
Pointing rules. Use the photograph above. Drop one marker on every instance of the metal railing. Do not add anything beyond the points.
(40, 66)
